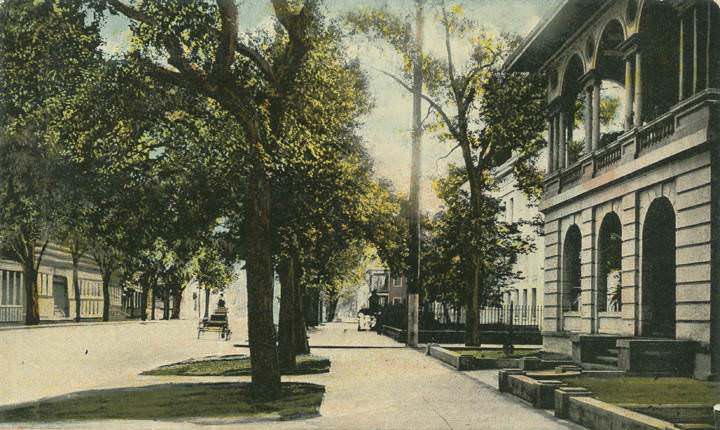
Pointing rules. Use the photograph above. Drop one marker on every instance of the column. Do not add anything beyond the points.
(628, 94)
(681, 61)
(588, 304)
(570, 128)
(708, 44)
(588, 119)
(562, 156)
(551, 145)
(556, 141)
(695, 53)
(596, 114)
(638, 89)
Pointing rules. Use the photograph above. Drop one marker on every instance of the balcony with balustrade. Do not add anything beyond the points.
(684, 127)
(657, 62)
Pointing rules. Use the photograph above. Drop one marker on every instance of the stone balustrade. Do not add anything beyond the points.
(632, 144)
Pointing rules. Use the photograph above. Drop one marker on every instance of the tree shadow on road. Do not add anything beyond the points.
(170, 402)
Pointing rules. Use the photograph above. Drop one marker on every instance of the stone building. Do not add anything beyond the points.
(632, 235)
(527, 291)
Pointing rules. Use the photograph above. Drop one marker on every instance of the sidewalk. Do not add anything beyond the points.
(379, 386)
(61, 359)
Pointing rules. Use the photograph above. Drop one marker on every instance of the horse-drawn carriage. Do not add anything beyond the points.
(218, 322)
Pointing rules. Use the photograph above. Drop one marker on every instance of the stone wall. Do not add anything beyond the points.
(680, 172)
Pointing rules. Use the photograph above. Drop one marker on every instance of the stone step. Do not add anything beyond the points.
(606, 359)
(612, 352)
(599, 366)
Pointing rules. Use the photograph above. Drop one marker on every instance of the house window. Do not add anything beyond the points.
(525, 298)
(397, 300)
(510, 210)
(397, 281)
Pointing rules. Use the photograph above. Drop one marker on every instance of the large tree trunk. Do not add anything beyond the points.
(143, 301)
(301, 339)
(76, 285)
(310, 308)
(32, 311)
(473, 327)
(166, 302)
(207, 303)
(265, 371)
(331, 309)
(177, 300)
(286, 330)
(153, 301)
(106, 295)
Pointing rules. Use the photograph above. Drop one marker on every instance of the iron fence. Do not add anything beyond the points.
(437, 316)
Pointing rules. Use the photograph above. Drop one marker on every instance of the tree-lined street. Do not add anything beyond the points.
(375, 382)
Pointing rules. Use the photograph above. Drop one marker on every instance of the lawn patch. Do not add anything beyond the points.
(650, 390)
(169, 402)
(236, 365)
(498, 353)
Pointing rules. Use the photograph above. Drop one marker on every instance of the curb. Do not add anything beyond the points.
(86, 324)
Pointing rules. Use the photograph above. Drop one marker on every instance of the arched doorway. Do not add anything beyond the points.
(571, 270)
(609, 292)
(658, 270)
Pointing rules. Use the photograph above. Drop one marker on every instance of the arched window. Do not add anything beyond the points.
(609, 291)
(571, 269)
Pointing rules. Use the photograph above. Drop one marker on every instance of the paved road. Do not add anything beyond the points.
(380, 386)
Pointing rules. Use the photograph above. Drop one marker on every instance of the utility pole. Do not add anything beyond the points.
(413, 273)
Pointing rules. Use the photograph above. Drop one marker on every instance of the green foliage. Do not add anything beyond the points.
(211, 271)
(47, 46)
(454, 236)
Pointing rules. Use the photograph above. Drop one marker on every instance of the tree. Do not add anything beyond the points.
(46, 46)
(213, 271)
(250, 81)
(449, 261)
(487, 113)
(27, 220)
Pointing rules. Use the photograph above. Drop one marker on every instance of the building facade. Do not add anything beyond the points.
(391, 289)
(56, 296)
(632, 232)
(528, 290)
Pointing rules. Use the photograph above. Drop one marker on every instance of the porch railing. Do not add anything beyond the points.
(11, 313)
(656, 132)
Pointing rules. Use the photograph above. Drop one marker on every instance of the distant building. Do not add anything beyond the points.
(56, 296)
(527, 291)
(391, 289)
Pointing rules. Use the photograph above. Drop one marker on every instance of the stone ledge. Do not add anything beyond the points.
(461, 361)
(695, 413)
(539, 393)
(598, 415)
(458, 361)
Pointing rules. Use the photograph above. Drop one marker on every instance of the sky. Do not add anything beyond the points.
(387, 128)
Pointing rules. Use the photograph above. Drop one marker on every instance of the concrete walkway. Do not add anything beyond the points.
(374, 382)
